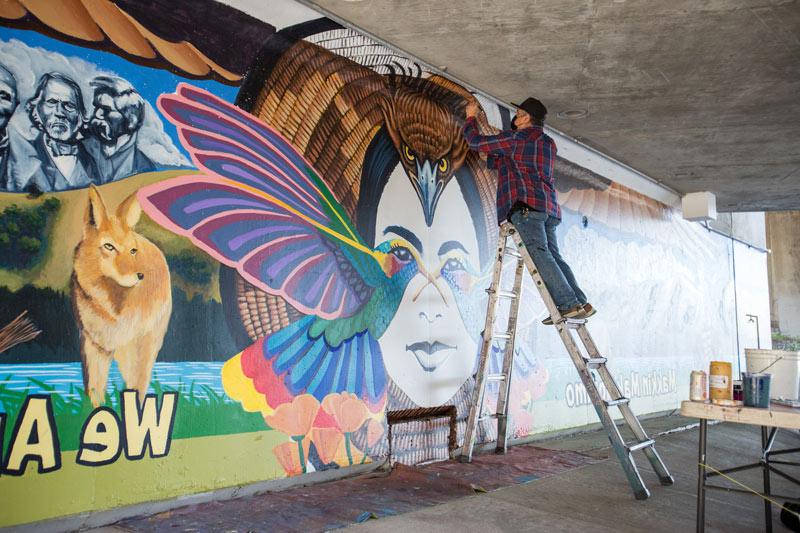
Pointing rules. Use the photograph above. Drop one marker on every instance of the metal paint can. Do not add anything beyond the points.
(720, 381)
(756, 389)
(698, 386)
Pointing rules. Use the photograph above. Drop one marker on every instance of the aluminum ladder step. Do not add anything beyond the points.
(574, 323)
(490, 416)
(640, 445)
(595, 362)
(618, 401)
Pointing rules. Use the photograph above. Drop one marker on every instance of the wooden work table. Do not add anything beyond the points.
(777, 416)
(770, 420)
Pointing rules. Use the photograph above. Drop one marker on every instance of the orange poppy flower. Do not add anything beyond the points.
(348, 454)
(349, 412)
(327, 441)
(288, 455)
(295, 418)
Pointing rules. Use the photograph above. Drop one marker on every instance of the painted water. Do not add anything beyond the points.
(66, 379)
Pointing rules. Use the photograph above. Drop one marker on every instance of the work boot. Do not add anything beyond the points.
(588, 310)
(573, 312)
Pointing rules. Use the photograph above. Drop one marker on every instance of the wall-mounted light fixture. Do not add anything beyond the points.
(699, 206)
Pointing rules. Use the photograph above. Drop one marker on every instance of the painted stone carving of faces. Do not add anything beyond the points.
(59, 111)
(427, 349)
(107, 122)
(8, 97)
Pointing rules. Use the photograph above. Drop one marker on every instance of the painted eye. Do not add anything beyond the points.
(402, 253)
(443, 165)
(110, 247)
(133, 251)
(453, 265)
(407, 153)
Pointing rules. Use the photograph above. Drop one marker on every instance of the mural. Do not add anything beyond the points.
(229, 250)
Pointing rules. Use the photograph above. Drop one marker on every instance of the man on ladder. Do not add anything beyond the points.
(528, 213)
(526, 196)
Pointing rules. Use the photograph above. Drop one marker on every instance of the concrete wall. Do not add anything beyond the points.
(783, 239)
(299, 278)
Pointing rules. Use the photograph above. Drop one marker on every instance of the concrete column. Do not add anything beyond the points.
(783, 238)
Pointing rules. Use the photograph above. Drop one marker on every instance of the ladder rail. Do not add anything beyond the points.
(508, 363)
(627, 412)
(479, 389)
(612, 431)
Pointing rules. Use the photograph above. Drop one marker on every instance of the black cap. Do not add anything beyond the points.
(533, 107)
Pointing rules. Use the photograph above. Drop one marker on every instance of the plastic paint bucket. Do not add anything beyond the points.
(756, 389)
(784, 367)
(720, 382)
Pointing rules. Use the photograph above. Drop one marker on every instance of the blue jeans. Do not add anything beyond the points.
(538, 232)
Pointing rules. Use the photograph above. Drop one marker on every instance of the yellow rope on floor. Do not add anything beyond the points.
(729, 478)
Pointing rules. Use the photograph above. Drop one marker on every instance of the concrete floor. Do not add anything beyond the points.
(597, 497)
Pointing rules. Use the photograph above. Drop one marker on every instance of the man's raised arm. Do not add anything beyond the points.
(499, 144)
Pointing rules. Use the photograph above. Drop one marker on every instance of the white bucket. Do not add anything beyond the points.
(785, 370)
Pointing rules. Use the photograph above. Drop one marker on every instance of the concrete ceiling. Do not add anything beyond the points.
(698, 95)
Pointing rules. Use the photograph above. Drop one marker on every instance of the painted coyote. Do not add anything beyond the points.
(121, 296)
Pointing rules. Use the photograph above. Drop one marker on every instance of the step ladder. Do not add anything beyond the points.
(593, 361)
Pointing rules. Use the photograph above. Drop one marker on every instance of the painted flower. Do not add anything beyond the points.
(295, 418)
(347, 409)
(327, 442)
(348, 449)
(292, 456)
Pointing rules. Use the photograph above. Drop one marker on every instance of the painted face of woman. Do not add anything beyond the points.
(427, 349)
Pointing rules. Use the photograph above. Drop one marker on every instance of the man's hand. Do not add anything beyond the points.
(472, 109)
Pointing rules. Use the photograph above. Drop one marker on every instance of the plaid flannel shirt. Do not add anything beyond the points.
(524, 161)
